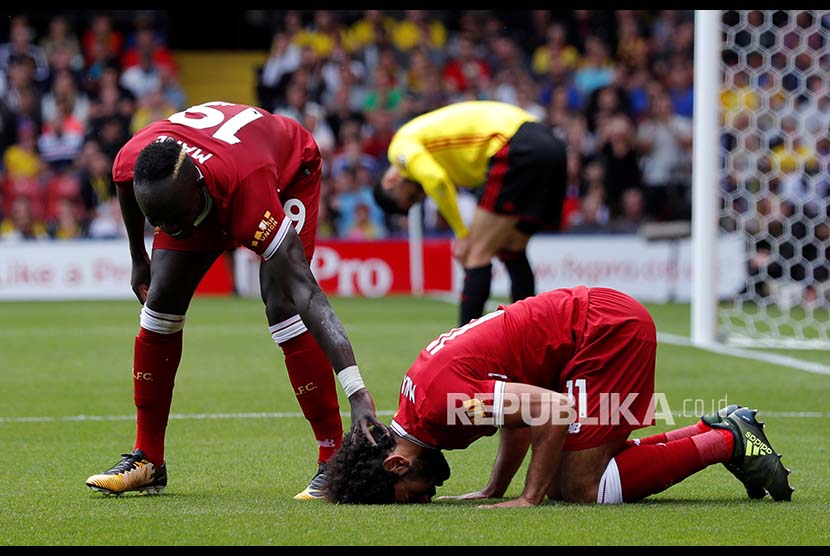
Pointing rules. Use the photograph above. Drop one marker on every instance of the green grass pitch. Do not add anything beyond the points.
(237, 449)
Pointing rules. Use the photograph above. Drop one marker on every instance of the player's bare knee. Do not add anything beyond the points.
(516, 242)
(166, 300)
(554, 491)
(480, 254)
(278, 308)
(579, 491)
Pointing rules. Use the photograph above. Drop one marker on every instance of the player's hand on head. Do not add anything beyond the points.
(363, 415)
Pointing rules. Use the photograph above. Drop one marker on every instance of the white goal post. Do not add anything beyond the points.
(760, 169)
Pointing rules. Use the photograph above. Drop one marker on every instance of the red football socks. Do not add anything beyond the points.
(312, 378)
(668, 436)
(651, 468)
(156, 359)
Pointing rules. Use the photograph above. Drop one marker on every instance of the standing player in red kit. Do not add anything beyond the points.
(569, 372)
(211, 178)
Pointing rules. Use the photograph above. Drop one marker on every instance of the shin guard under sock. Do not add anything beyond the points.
(156, 359)
(649, 469)
(312, 378)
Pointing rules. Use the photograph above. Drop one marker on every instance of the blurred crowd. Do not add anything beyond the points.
(615, 85)
(69, 99)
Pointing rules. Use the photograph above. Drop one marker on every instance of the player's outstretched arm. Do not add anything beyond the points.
(513, 446)
(289, 269)
(546, 414)
(134, 223)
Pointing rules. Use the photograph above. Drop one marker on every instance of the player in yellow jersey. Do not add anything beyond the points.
(515, 164)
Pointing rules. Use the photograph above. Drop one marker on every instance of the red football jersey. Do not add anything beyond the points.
(530, 341)
(248, 157)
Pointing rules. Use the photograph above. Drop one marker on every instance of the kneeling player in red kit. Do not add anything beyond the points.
(570, 373)
(211, 178)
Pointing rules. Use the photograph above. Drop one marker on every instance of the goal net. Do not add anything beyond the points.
(774, 185)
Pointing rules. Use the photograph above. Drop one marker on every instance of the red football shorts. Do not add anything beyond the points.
(611, 376)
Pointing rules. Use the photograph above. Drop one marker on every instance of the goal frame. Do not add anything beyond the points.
(706, 169)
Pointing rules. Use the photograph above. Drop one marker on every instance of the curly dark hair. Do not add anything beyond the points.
(156, 161)
(355, 473)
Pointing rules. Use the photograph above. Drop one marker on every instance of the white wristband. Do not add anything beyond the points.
(350, 380)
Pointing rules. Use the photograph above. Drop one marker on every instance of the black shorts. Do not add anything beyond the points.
(527, 178)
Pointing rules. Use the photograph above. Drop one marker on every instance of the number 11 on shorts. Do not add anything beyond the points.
(582, 395)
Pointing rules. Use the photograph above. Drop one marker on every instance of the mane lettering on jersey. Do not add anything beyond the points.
(408, 389)
(195, 153)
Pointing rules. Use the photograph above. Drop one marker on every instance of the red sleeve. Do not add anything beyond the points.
(461, 410)
(256, 217)
(123, 165)
(455, 391)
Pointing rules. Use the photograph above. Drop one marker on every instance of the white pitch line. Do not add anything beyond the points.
(173, 416)
(297, 415)
(766, 357)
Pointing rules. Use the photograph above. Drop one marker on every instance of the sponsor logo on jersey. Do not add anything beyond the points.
(266, 227)
(473, 408)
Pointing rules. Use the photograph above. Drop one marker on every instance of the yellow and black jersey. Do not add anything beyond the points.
(451, 147)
